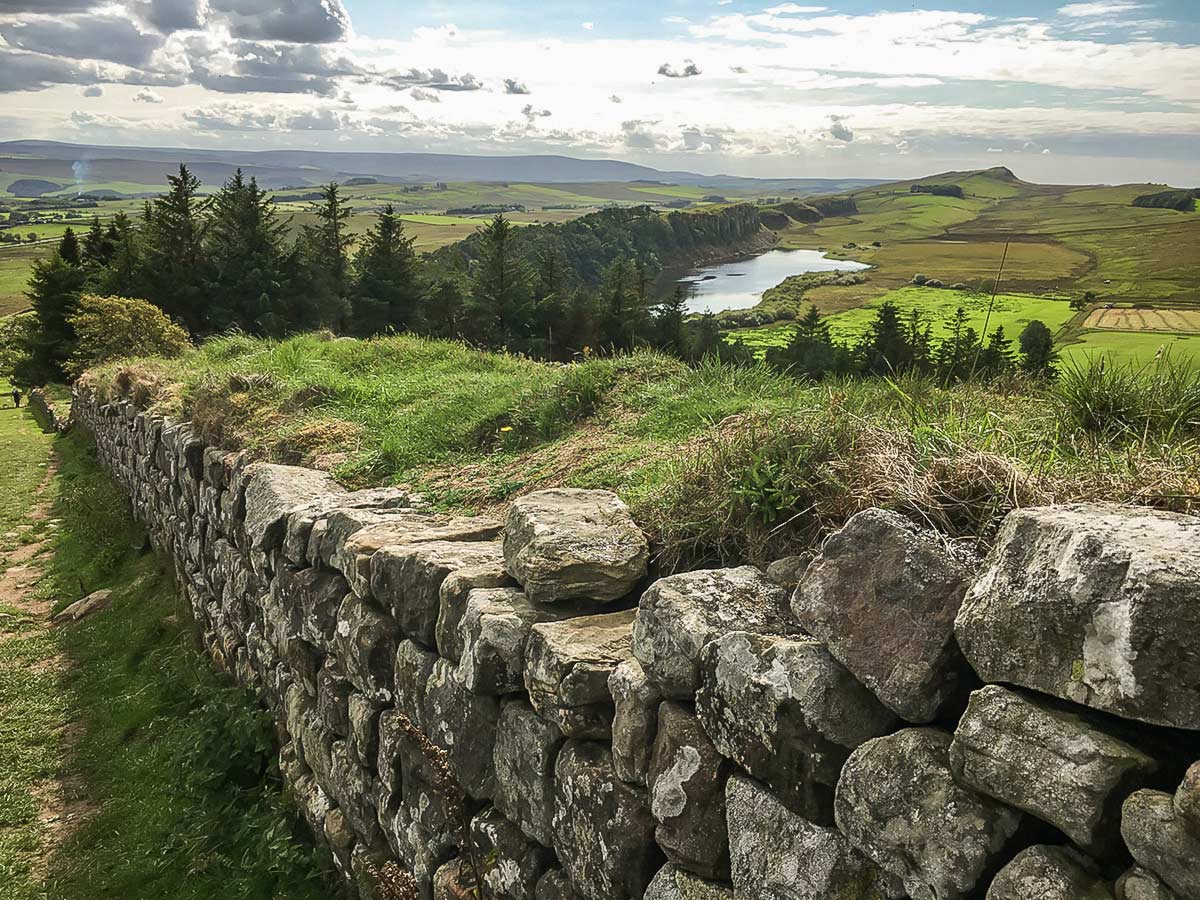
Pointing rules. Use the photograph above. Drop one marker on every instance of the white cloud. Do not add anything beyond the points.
(1089, 10)
(145, 95)
(588, 26)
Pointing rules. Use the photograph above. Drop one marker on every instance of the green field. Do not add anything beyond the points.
(1138, 348)
(15, 264)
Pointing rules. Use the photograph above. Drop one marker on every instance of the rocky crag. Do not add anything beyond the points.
(517, 702)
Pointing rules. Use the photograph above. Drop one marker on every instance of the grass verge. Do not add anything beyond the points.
(169, 768)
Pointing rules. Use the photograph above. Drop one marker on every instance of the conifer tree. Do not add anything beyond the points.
(54, 289)
(669, 322)
(68, 247)
(98, 246)
(244, 242)
(386, 291)
(173, 266)
(326, 259)
(500, 304)
(885, 349)
(1037, 349)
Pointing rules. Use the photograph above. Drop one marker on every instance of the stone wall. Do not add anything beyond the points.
(47, 410)
(455, 695)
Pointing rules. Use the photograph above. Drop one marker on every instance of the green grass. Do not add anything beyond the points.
(16, 264)
(685, 447)
(1131, 347)
(172, 765)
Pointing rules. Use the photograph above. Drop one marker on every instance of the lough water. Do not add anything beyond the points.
(739, 285)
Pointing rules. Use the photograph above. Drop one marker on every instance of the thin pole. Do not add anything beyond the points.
(991, 303)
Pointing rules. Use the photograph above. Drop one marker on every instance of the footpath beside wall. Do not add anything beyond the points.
(891, 718)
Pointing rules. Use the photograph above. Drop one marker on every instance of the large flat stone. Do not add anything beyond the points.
(452, 603)
(567, 665)
(899, 804)
(1159, 839)
(1049, 762)
(1095, 603)
(271, 492)
(679, 614)
(569, 543)
(787, 712)
(882, 594)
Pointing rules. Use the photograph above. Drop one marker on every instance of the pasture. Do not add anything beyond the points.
(1136, 318)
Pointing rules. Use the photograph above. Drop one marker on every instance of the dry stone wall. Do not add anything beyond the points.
(514, 702)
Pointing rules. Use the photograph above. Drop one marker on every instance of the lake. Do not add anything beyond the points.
(739, 285)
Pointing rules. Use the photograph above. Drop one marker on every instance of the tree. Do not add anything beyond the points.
(996, 357)
(123, 270)
(885, 349)
(68, 247)
(811, 352)
(618, 301)
(1037, 349)
(172, 270)
(326, 258)
(244, 243)
(54, 288)
(98, 246)
(108, 328)
(1088, 298)
(17, 334)
(386, 292)
(669, 321)
(705, 338)
(499, 305)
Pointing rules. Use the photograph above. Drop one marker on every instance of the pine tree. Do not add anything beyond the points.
(705, 338)
(996, 357)
(500, 304)
(120, 276)
(885, 349)
(618, 298)
(668, 322)
(244, 241)
(54, 288)
(326, 258)
(68, 247)
(386, 292)
(811, 351)
(173, 266)
(98, 246)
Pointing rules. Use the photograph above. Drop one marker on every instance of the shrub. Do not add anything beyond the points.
(1123, 401)
(16, 333)
(108, 328)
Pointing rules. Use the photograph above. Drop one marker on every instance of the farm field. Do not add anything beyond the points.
(15, 263)
(1137, 348)
(1063, 241)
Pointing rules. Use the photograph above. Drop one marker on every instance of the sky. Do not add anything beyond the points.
(1105, 91)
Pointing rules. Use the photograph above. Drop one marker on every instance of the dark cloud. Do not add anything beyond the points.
(637, 135)
(293, 21)
(689, 69)
(615, 98)
(11, 7)
(172, 15)
(316, 120)
(114, 38)
(94, 91)
(227, 117)
(838, 129)
(32, 71)
(419, 93)
(145, 95)
(291, 59)
(436, 79)
(738, 70)
(512, 86)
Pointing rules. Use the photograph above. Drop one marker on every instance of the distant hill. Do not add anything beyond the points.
(279, 168)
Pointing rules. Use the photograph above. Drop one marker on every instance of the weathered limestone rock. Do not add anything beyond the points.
(333, 697)
(526, 748)
(898, 803)
(787, 712)
(1048, 873)
(687, 794)
(555, 885)
(1095, 603)
(1142, 884)
(679, 614)
(635, 721)
(1159, 839)
(778, 855)
(1049, 762)
(603, 830)
(1187, 798)
(568, 543)
(365, 642)
(84, 607)
(271, 492)
(567, 665)
(454, 881)
(788, 571)
(672, 883)
(452, 602)
(350, 785)
(354, 557)
(312, 596)
(414, 669)
(511, 865)
(408, 578)
(363, 738)
(464, 725)
(883, 595)
(494, 631)
(301, 519)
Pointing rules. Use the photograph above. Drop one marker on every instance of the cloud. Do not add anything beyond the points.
(838, 130)
(294, 21)
(109, 37)
(231, 117)
(437, 79)
(1090, 10)
(94, 91)
(315, 120)
(145, 95)
(12, 7)
(637, 134)
(418, 93)
(512, 86)
(688, 70)
(738, 70)
(995, 150)
(615, 98)
(169, 16)
(588, 26)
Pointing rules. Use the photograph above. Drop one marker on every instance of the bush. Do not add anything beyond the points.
(16, 333)
(108, 328)
(1127, 402)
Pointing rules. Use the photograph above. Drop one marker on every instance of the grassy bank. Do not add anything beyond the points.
(719, 463)
(129, 768)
